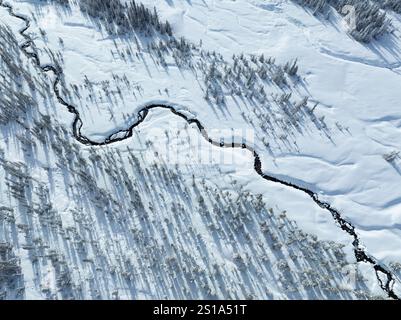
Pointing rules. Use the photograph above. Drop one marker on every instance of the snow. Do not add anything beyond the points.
(357, 86)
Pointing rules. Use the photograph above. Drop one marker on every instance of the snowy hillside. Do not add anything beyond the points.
(216, 150)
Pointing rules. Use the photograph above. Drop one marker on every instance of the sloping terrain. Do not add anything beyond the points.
(164, 213)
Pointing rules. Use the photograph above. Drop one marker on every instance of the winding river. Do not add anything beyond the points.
(361, 254)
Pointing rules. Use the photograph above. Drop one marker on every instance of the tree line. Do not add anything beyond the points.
(119, 18)
(370, 20)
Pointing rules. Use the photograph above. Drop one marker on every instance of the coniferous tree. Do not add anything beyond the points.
(120, 18)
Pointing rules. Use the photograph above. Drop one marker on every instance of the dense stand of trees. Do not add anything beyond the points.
(13, 101)
(394, 5)
(119, 18)
(60, 2)
(370, 20)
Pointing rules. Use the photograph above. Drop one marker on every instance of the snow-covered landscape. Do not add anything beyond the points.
(184, 149)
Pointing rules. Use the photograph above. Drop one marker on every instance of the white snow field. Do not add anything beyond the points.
(152, 216)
